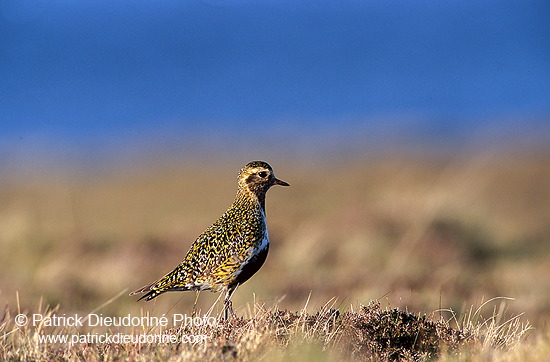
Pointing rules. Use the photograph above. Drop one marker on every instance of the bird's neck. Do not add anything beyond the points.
(247, 198)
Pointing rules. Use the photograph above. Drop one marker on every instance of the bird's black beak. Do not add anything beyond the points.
(279, 182)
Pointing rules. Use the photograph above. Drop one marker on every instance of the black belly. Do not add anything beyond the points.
(252, 266)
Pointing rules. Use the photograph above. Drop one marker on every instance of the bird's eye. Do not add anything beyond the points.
(262, 174)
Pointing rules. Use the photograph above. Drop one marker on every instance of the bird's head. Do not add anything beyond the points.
(258, 177)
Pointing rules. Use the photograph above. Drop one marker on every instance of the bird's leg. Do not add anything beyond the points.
(197, 293)
(227, 309)
(228, 305)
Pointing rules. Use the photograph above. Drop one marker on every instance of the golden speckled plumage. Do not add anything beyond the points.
(232, 249)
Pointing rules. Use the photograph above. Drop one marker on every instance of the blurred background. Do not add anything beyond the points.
(416, 138)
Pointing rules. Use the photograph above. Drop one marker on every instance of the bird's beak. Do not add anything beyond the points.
(276, 181)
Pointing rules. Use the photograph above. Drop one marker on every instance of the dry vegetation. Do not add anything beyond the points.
(432, 242)
(369, 334)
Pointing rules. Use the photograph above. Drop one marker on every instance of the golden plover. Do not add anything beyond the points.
(230, 251)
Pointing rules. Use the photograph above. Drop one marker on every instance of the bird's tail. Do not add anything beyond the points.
(164, 284)
(150, 291)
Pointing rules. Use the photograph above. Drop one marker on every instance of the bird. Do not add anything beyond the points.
(232, 249)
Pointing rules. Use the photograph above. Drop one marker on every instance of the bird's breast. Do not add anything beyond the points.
(264, 241)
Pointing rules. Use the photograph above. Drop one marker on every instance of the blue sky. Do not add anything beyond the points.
(82, 76)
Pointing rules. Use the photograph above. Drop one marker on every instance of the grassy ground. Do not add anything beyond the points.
(418, 236)
(369, 333)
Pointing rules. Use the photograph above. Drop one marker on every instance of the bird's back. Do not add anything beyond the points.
(237, 243)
